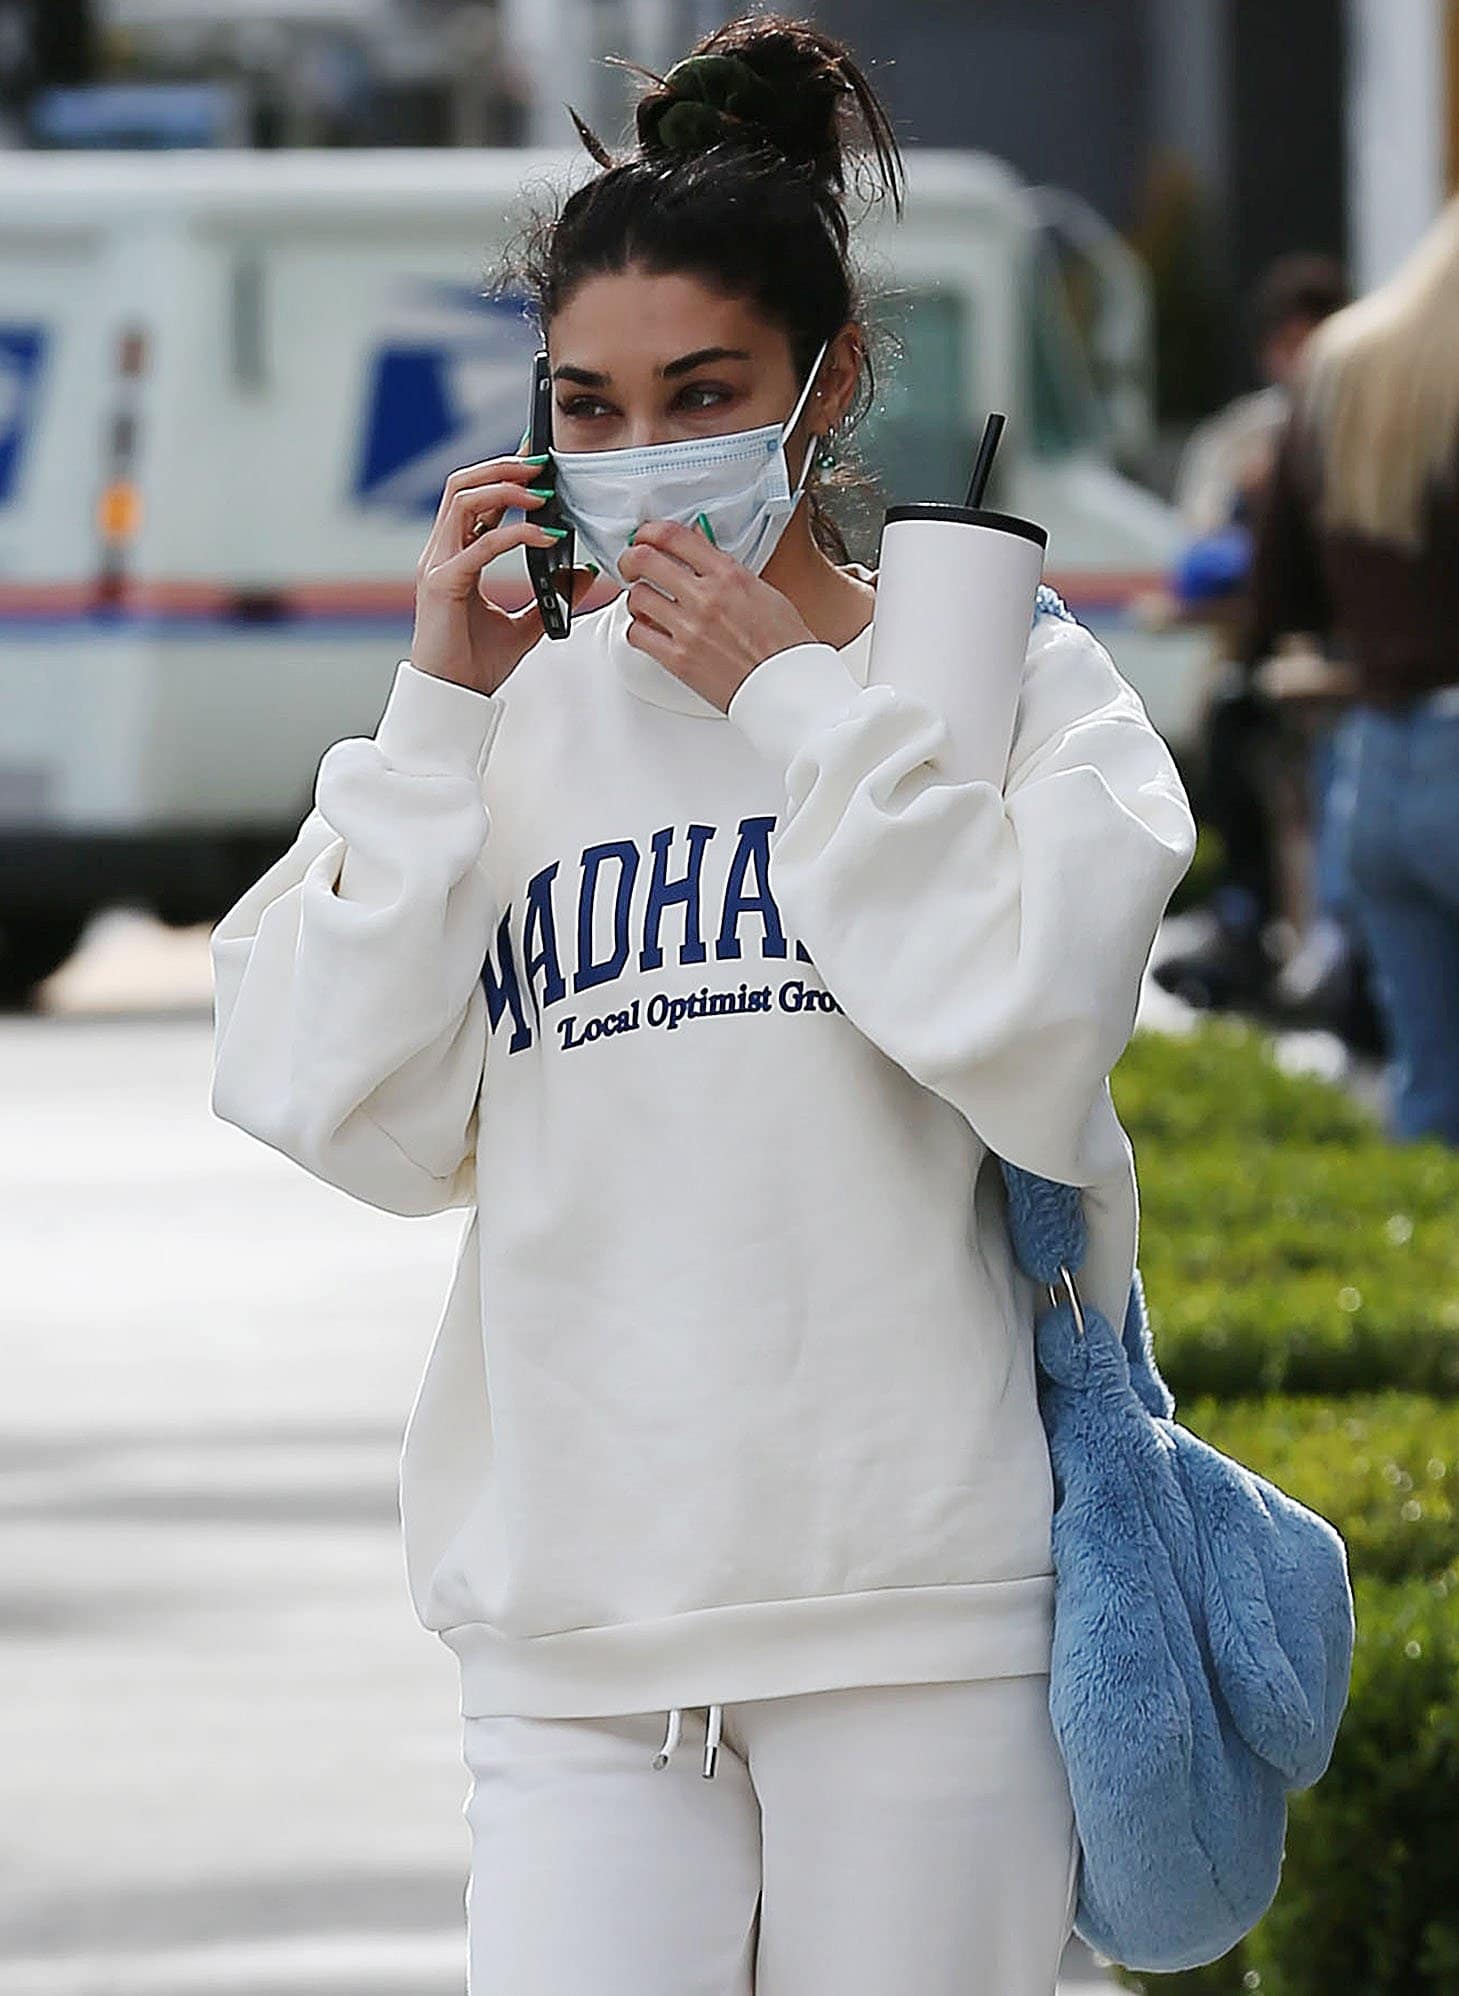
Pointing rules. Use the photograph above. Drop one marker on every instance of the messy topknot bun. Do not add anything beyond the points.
(739, 175)
(766, 79)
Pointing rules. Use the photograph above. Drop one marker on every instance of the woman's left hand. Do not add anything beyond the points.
(723, 620)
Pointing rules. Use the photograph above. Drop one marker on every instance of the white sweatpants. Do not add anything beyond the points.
(893, 1840)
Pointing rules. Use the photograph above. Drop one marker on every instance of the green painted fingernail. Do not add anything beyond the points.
(541, 458)
(629, 542)
(556, 532)
(708, 530)
(540, 491)
(592, 568)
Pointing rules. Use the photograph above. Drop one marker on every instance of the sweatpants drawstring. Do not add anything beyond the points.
(675, 1729)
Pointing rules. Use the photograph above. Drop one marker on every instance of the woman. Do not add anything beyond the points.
(672, 950)
(1359, 543)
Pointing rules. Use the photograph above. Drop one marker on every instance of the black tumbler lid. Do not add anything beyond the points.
(971, 516)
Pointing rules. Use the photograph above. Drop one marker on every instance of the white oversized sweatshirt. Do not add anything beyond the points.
(711, 1022)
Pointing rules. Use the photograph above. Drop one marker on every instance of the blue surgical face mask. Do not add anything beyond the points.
(740, 482)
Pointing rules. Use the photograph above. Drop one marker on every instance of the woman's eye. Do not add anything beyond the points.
(698, 395)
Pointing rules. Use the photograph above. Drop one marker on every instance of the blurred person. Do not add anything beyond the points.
(673, 951)
(1227, 459)
(1358, 544)
(1250, 749)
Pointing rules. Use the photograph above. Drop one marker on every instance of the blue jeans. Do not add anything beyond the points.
(1395, 800)
(1330, 895)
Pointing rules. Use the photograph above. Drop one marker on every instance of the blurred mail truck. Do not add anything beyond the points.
(232, 384)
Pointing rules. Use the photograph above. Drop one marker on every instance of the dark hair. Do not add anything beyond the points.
(1301, 286)
(739, 177)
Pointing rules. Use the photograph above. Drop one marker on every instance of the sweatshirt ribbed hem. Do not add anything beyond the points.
(431, 724)
(760, 1649)
(790, 697)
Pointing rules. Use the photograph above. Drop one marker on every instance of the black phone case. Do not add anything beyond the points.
(548, 568)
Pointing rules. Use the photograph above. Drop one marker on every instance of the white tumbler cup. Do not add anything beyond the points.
(955, 593)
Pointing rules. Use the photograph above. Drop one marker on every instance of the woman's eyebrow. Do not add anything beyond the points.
(587, 377)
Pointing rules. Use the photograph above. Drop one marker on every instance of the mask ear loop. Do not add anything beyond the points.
(794, 418)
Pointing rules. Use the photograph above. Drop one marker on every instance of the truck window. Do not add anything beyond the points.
(1063, 407)
(918, 437)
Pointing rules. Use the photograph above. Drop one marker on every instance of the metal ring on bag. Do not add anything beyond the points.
(1068, 1281)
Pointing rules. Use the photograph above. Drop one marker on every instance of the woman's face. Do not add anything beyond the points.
(638, 359)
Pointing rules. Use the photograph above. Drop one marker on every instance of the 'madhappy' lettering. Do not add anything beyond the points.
(624, 898)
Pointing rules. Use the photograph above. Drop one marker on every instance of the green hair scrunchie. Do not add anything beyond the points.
(711, 93)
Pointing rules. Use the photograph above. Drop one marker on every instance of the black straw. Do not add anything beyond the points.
(983, 464)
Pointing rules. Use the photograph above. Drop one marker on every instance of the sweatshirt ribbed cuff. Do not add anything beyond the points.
(790, 696)
(431, 724)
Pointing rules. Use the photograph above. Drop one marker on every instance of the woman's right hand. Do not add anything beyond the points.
(460, 634)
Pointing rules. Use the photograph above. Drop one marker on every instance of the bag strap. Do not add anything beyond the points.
(1046, 1224)
(1047, 1227)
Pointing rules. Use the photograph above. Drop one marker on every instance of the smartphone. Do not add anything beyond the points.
(549, 568)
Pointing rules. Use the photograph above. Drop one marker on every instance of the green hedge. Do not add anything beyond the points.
(1303, 1280)
(1285, 1244)
(1219, 1084)
(1297, 1336)
(1383, 1468)
(1369, 1899)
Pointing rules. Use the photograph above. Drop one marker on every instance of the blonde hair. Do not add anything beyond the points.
(1380, 385)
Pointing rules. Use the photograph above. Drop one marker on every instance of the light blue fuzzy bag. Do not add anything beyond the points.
(1203, 1629)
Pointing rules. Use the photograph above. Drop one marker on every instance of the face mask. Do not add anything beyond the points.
(740, 482)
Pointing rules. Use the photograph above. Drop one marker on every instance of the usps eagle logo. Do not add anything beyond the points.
(448, 383)
(22, 350)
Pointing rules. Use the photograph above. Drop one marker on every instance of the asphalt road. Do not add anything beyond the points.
(231, 1756)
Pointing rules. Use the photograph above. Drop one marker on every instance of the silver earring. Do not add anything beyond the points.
(826, 455)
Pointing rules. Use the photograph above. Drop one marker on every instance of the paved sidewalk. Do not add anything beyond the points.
(342, 1964)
